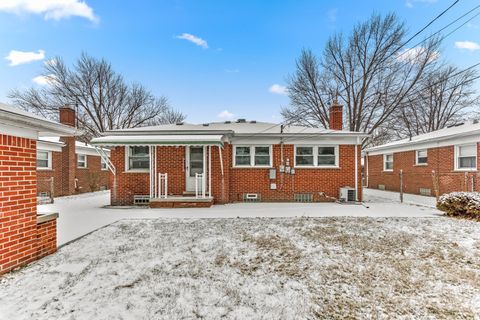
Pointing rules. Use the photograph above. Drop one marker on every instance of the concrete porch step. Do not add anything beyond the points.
(181, 202)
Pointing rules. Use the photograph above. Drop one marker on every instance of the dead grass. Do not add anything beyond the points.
(303, 268)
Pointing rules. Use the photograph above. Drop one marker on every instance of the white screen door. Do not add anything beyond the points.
(195, 159)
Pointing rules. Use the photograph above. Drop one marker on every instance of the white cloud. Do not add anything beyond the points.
(44, 80)
(413, 55)
(21, 57)
(225, 114)
(190, 37)
(468, 45)
(49, 9)
(278, 89)
(410, 3)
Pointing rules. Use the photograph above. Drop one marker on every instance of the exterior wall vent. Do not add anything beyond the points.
(251, 197)
(381, 187)
(347, 194)
(141, 200)
(303, 197)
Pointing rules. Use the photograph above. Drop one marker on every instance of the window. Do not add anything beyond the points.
(388, 162)
(466, 157)
(421, 158)
(103, 164)
(138, 158)
(81, 160)
(44, 160)
(316, 156)
(252, 156)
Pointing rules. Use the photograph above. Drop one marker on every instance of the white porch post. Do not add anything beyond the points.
(210, 171)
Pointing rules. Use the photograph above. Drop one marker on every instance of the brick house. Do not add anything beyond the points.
(429, 164)
(197, 165)
(66, 166)
(24, 235)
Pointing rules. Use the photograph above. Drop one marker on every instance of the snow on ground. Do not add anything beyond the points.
(375, 195)
(84, 213)
(251, 268)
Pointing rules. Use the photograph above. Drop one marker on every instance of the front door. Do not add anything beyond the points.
(195, 159)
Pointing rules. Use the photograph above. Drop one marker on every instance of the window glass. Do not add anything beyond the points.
(326, 156)
(103, 164)
(262, 156)
(242, 156)
(467, 157)
(422, 157)
(304, 156)
(139, 158)
(389, 162)
(81, 161)
(42, 159)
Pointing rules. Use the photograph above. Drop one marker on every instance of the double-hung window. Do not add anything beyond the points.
(103, 164)
(421, 157)
(81, 160)
(466, 157)
(388, 162)
(138, 158)
(44, 160)
(252, 156)
(316, 156)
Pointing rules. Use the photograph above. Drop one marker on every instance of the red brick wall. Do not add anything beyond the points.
(18, 202)
(46, 238)
(237, 181)
(44, 176)
(440, 160)
(91, 178)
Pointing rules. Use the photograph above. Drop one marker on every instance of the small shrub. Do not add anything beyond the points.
(460, 204)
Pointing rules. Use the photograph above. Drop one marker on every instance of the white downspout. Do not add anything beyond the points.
(356, 169)
(221, 170)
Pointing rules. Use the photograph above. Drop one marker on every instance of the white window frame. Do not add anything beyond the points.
(49, 160)
(127, 161)
(78, 161)
(252, 156)
(416, 157)
(385, 162)
(315, 156)
(103, 162)
(457, 153)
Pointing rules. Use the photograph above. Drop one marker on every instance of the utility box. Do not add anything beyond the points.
(273, 174)
(273, 186)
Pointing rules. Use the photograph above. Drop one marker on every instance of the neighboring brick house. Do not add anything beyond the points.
(434, 163)
(197, 165)
(66, 166)
(24, 235)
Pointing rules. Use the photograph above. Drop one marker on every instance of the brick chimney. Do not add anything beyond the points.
(336, 116)
(69, 158)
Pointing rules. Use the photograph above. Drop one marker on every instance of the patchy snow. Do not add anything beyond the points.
(375, 195)
(81, 214)
(283, 268)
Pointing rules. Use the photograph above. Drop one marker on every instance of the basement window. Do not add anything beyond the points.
(138, 158)
(44, 160)
(81, 160)
(421, 157)
(466, 157)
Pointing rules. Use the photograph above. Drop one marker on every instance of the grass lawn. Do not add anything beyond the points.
(283, 268)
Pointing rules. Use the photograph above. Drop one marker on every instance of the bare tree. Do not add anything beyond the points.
(105, 101)
(369, 71)
(445, 97)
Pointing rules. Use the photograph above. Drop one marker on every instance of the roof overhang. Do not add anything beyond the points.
(159, 140)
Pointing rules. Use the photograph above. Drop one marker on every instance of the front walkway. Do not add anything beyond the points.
(84, 213)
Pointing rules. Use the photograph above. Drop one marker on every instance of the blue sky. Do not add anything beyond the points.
(240, 49)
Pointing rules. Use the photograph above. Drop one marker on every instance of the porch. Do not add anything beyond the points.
(178, 167)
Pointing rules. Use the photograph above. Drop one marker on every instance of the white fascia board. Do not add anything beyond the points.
(40, 126)
(426, 145)
(299, 140)
(49, 146)
(88, 150)
(13, 130)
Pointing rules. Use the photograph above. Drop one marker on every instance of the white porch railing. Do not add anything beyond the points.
(200, 185)
(163, 185)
